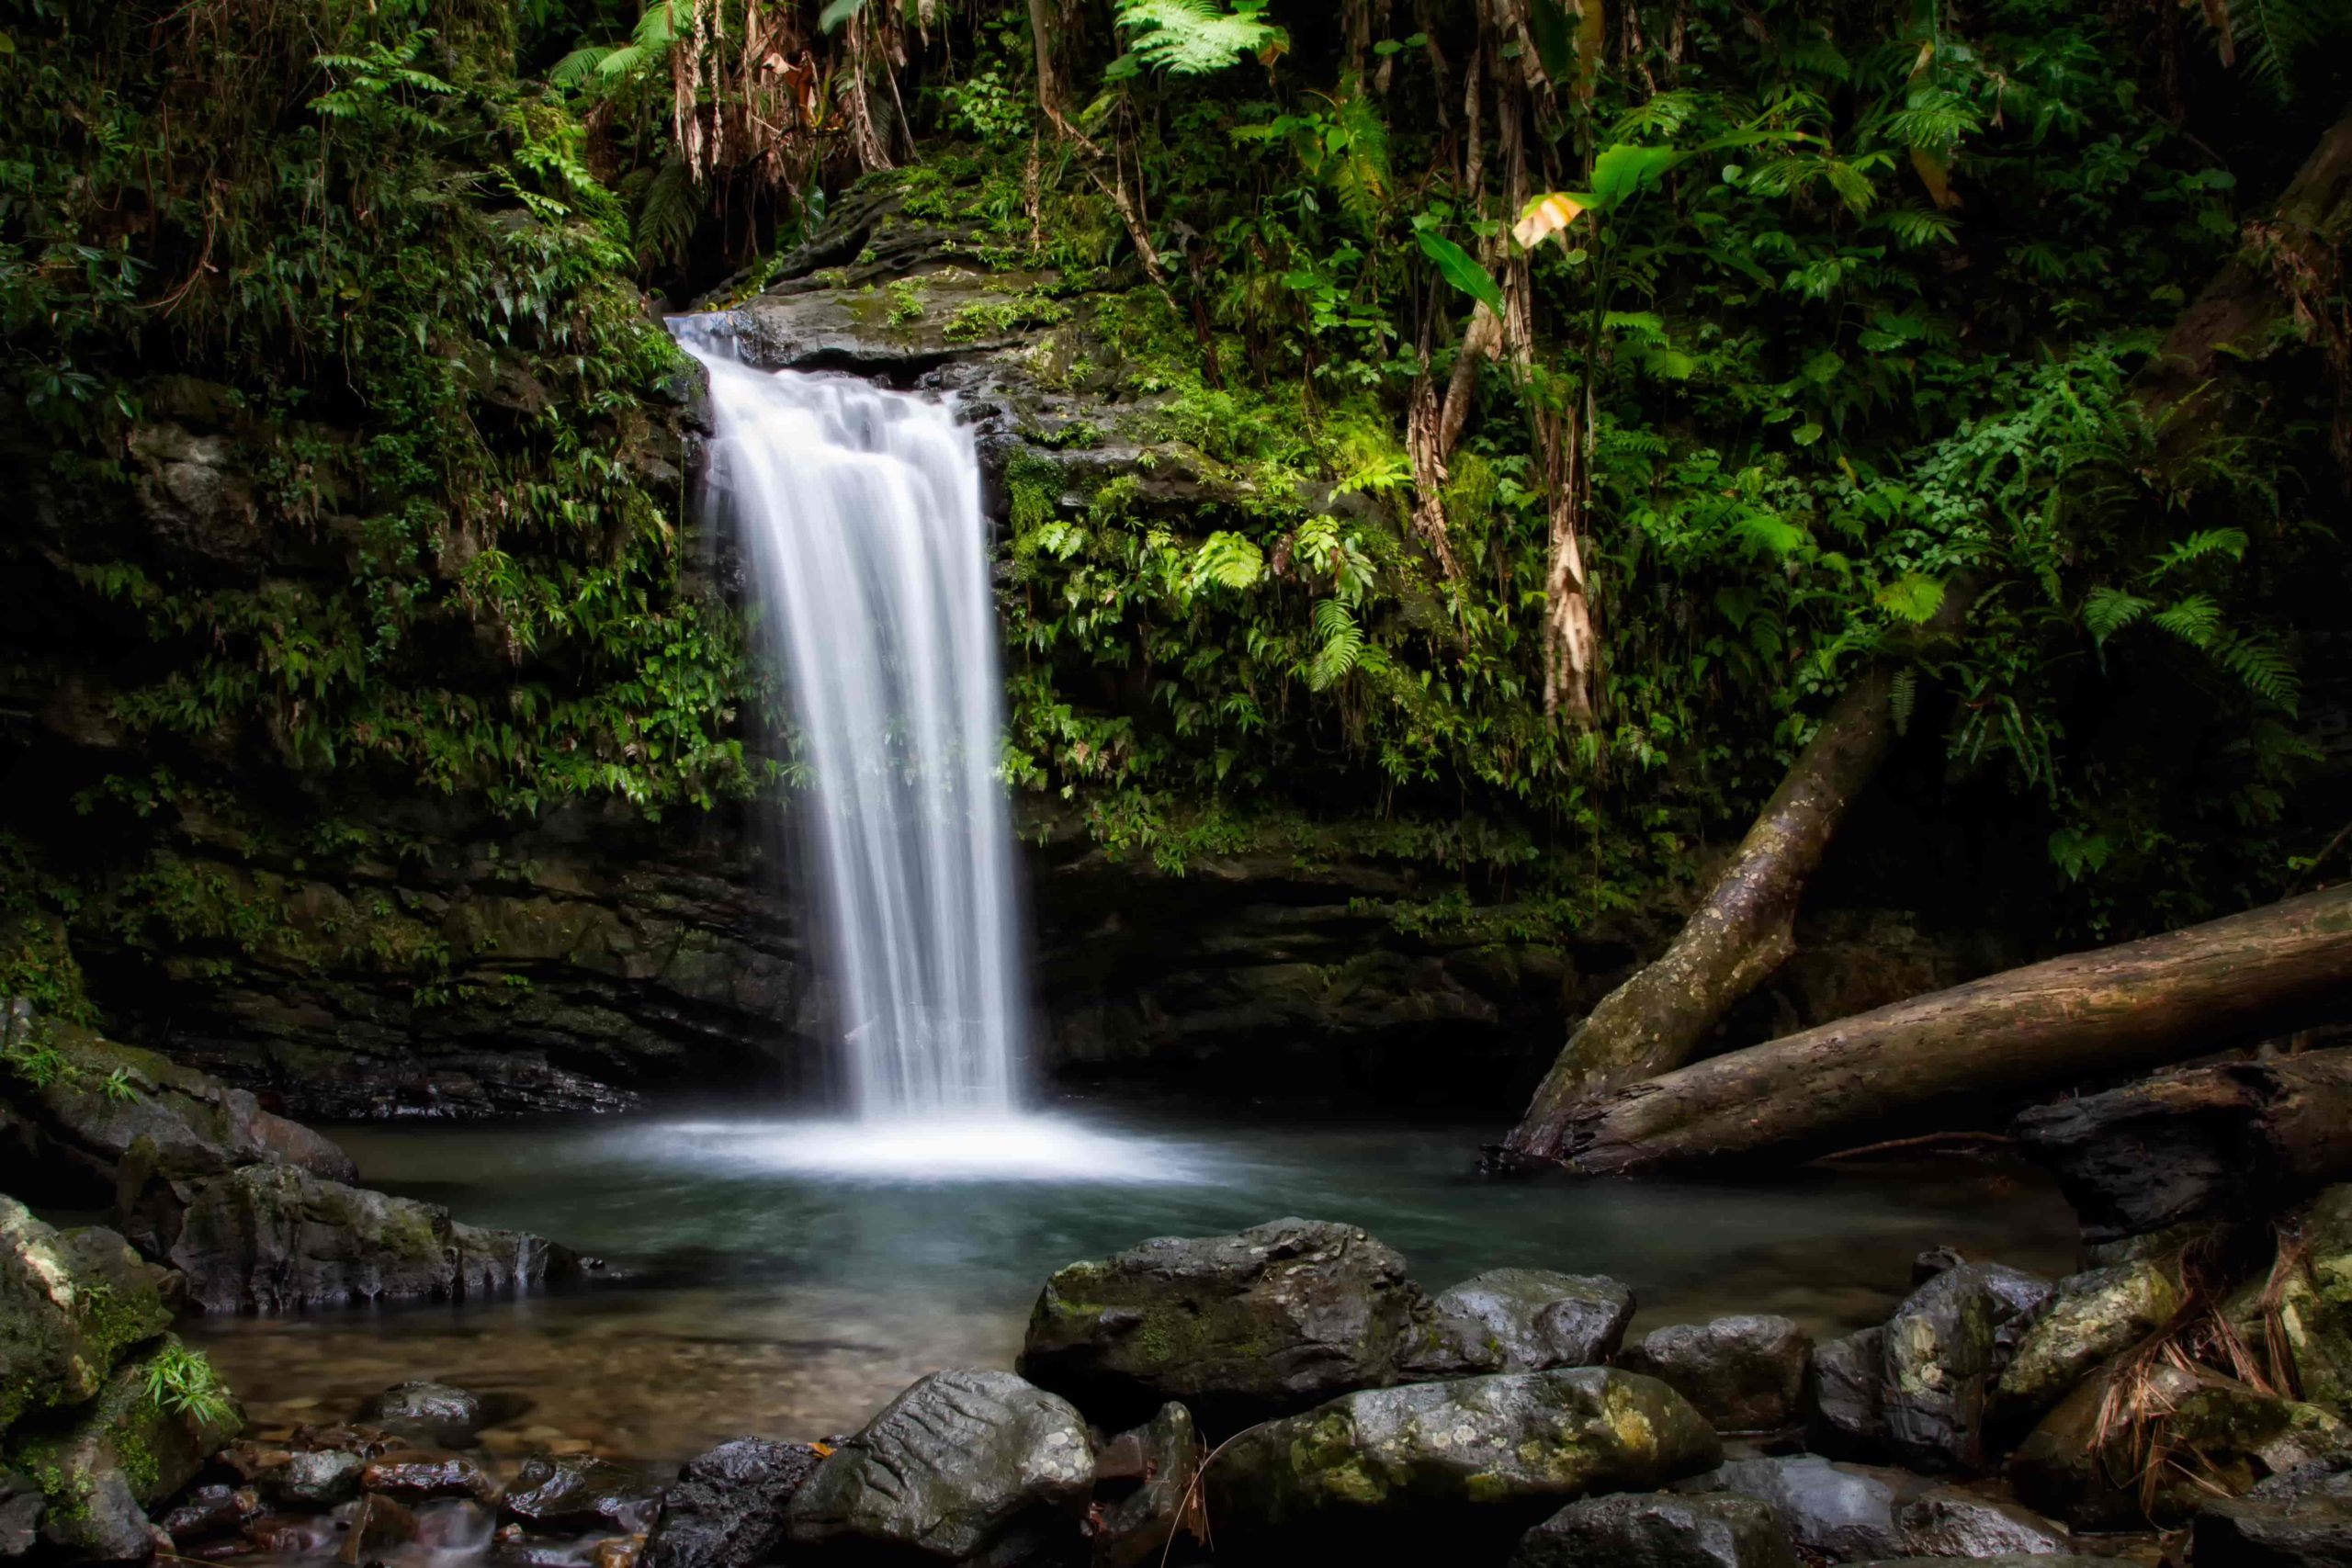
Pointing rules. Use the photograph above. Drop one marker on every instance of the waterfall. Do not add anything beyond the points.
(862, 510)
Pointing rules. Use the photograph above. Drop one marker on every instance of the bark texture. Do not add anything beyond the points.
(1741, 932)
(2118, 1009)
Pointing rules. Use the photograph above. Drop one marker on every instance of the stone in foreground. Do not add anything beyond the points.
(1634, 1530)
(727, 1508)
(450, 1416)
(1846, 1395)
(1486, 1455)
(971, 1466)
(1239, 1327)
(2090, 1317)
(1942, 1353)
(1744, 1373)
(1160, 1460)
(1527, 1320)
(1846, 1511)
(2302, 1519)
(71, 1303)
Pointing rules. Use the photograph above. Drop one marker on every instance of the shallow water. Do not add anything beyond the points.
(792, 1276)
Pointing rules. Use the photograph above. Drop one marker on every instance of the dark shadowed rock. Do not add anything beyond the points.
(1949, 1522)
(572, 1496)
(415, 1475)
(1634, 1530)
(2301, 1519)
(202, 1513)
(2089, 1318)
(1239, 1327)
(1744, 1373)
(726, 1508)
(2002, 1561)
(379, 1527)
(1846, 1511)
(2314, 1302)
(966, 1466)
(1523, 1320)
(21, 1506)
(121, 1455)
(448, 1415)
(1846, 1395)
(312, 1478)
(1943, 1348)
(1478, 1457)
(1156, 1461)
(71, 1303)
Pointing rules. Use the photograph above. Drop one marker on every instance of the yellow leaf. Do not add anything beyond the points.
(1926, 54)
(1591, 29)
(1936, 178)
(1544, 217)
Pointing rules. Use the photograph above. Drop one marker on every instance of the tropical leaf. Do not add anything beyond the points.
(1914, 597)
(2109, 610)
(1460, 268)
(1547, 215)
(1194, 37)
(835, 14)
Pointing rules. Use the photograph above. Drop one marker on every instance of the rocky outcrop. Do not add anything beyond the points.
(968, 1467)
(72, 1302)
(1524, 1320)
(1744, 1373)
(1277, 1318)
(1474, 1458)
(1630, 1530)
(1943, 1348)
(727, 1508)
(2089, 1317)
(567, 1495)
(2303, 1519)
(2313, 1310)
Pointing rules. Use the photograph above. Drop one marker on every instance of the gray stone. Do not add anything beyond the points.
(1482, 1455)
(1744, 1373)
(1943, 1348)
(313, 1478)
(1846, 1511)
(418, 1475)
(575, 1495)
(726, 1508)
(71, 1303)
(379, 1527)
(21, 1505)
(2027, 1560)
(967, 1466)
(1633, 1531)
(1949, 1522)
(450, 1416)
(1159, 1459)
(1846, 1388)
(2299, 1519)
(1239, 1327)
(2089, 1318)
(2315, 1302)
(1527, 1320)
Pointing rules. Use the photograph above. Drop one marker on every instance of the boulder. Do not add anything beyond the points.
(1944, 1347)
(312, 1478)
(1947, 1521)
(2314, 1306)
(1524, 1320)
(21, 1506)
(1143, 1483)
(119, 1456)
(2089, 1318)
(1999, 1561)
(1845, 1511)
(1846, 1395)
(269, 1238)
(971, 1466)
(447, 1416)
(1239, 1327)
(202, 1513)
(1745, 1374)
(415, 1475)
(379, 1527)
(63, 1142)
(1633, 1531)
(726, 1508)
(573, 1495)
(2217, 1437)
(1477, 1458)
(2301, 1519)
(71, 1303)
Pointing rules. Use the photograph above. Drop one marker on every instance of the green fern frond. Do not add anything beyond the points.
(666, 219)
(1194, 37)
(1227, 561)
(2262, 668)
(2109, 610)
(1903, 698)
(2196, 620)
(2230, 542)
(1341, 645)
(576, 67)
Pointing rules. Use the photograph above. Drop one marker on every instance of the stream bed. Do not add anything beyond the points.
(784, 1279)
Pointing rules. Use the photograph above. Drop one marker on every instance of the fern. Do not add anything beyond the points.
(1903, 698)
(1227, 561)
(2196, 620)
(1358, 143)
(2262, 668)
(1194, 38)
(1340, 646)
(2109, 610)
(2230, 542)
(666, 219)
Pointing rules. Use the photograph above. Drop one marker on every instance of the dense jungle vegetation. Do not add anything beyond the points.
(1597, 390)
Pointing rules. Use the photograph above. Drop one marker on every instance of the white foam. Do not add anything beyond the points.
(916, 1150)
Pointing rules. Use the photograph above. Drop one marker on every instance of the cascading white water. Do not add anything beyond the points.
(863, 511)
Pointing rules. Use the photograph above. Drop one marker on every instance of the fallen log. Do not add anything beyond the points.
(2131, 1008)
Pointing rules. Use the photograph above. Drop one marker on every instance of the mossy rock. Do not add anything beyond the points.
(2314, 1304)
(71, 1303)
(111, 1461)
(2090, 1317)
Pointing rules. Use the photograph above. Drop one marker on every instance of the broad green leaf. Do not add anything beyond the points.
(834, 15)
(1460, 268)
(1623, 172)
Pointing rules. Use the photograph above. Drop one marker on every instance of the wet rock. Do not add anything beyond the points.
(967, 1466)
(2301, 1519)
(1523, 1320)
(274, 1239)
(1846, 1511)
(215, 1509)
(64, 1142)
(1158, 1461)
(1275, 1319)
(1845, 1389)
(2089, 1318)
(617, 1552)
(1476, 1458)
(1631, 1530)
(726, 1508)
(21, 1505)
(2220, 1437)
(379, 1527)
(416, 1475)
(121, 1455)
(1744, 1374)
(1948, 1522)
(2001, 1561)
(572, 1496)
(71, 1303)
(278, 1535)
(450, 1416)
(313, 1478)
(454, 1524)
(2315, 1302)
(1943, 1348)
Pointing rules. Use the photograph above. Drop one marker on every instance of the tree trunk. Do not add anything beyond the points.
(1041, 31)
(1741, 932)
(2141, 1004)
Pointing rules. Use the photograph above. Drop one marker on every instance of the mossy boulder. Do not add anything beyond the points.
(2090, 1317)
(1744, 1373)
(1944, 1350)
(1526, 1320)
(1274, 1319)
(1476, 1458)
(2315, 1302)
(2207, 1437)
(1631, 1530)
(971, 1466)
(107, 1464)
(71, 1303)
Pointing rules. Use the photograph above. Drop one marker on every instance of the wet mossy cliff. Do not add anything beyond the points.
(461, 896)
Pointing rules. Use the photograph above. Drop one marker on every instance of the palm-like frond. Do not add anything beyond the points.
(1192, 38)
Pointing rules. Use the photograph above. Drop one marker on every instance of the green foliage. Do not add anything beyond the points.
(1192, 38)
(181, 1382)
